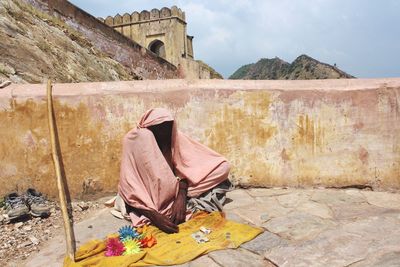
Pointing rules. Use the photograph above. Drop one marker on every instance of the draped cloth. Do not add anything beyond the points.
(147, 181)
(171, 249)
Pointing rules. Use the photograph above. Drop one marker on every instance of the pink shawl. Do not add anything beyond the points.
(146, 180)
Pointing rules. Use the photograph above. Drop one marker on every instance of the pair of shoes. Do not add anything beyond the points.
(37, 203)
(16, 206)
(32, 202)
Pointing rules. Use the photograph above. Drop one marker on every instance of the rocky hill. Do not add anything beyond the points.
(303, 68)
(36, 45)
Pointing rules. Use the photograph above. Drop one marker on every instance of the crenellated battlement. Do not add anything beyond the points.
(163, 32)
(145, 16)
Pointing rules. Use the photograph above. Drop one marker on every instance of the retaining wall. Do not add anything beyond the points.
(275, 133)
(141, 61)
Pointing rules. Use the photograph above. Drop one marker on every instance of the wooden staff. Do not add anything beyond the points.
(69, 232)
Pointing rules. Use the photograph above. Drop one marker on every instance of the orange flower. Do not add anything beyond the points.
(148, 241)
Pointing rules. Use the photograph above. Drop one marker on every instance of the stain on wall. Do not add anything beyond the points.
(27, 147)
(240, 131)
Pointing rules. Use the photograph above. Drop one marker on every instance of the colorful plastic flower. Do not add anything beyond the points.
(131, 246)
(148, 242)
(114, 247)
(128, 231)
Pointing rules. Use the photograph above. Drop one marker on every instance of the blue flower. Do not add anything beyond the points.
(128, 232)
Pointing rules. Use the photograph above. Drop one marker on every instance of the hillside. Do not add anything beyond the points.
(303, 68)
(43, 39)
(36, 46)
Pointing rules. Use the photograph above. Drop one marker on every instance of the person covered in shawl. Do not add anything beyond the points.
(161, 168)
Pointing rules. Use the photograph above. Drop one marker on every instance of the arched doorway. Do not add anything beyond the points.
(158, 48)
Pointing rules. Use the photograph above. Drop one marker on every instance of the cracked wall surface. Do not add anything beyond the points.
(330, 133)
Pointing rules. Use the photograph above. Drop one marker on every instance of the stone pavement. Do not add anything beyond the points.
(311, 227)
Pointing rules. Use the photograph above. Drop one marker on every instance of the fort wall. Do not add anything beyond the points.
(329, 133)
(155, 14)
(167, 25)
(123, 49)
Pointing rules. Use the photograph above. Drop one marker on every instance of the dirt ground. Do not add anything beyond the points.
(21, 238)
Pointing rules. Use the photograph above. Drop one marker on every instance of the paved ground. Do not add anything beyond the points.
(315, 227)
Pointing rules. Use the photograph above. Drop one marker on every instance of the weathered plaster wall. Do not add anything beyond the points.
(275, 133)
(192, 69)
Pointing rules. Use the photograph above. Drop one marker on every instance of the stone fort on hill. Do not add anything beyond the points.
(164, 32)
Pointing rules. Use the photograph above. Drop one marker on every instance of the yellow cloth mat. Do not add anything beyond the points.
(172, 249)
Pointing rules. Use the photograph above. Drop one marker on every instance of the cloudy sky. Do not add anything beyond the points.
(361, 36)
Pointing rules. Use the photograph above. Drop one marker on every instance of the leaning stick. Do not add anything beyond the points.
(60, 185)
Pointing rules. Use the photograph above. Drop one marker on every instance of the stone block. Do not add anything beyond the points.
(203, 261)
(383, 199)
(265, 192)
(263, 242)
(298, 226)
(347, 244)
(238, 198)
(238, 257)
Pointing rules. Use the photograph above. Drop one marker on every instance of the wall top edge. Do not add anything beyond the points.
(99, 88)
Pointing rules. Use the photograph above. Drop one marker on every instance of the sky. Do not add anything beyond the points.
(361, 36)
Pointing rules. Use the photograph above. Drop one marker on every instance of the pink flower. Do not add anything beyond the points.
(114, 247)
